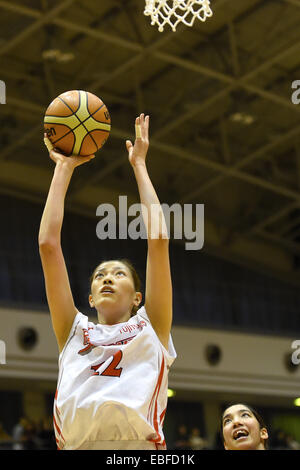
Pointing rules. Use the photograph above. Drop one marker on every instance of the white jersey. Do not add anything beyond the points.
(112, 386)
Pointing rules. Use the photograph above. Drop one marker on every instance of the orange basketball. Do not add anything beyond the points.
(77, 123)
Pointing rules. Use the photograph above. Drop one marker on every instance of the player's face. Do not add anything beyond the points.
(241, 430)
(112, 291)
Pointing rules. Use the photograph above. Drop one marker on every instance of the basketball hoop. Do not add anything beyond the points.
(173, 12)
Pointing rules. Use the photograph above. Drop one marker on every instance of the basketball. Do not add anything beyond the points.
(77, 122)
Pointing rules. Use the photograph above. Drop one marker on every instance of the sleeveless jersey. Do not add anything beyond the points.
(112, 386)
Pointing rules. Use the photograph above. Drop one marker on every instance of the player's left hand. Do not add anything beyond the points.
(137, 152)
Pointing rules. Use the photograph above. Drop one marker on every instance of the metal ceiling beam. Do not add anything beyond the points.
(235, 84)
(274, 217)
(288, 226)
(225, 253)
(150, 49)
(9, 149)
(297, 153)
(50, 82)
(225, 141)
(186, 155)
(234, 49)
(289, 245)
(229, 80)
(285, 210)
(195, 110)
(20, 9)
(113, 97)
(296, 3)
(44, 18)
(204, 70)
(143, 52)
(187, 64)
(291, 235)
(244, 162)
(82, 184)
(269, 96)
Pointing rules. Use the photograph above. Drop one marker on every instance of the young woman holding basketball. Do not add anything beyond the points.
(113, 375)
(243, 428)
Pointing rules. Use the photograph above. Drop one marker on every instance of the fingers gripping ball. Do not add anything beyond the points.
(77, 123)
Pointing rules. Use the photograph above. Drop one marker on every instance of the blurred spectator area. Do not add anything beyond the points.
(18, 431)
(26, 422)
(208, 291)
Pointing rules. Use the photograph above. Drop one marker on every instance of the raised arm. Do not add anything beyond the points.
(158, 296)
(59, 295)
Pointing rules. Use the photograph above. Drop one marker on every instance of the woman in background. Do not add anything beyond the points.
(243, 428)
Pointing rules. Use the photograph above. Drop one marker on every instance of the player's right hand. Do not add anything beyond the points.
(58, 157)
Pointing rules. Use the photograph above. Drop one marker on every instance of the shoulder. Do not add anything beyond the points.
(81, 320)
(169, 351)
(80, 324)
(141, 313)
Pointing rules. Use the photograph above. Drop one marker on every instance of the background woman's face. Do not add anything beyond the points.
(241, 430)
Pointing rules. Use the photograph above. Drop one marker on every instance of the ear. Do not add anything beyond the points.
(264, 434)
(137, 299)
(91, 302)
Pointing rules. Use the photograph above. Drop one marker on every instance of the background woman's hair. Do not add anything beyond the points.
(136, 279)
(255, 414)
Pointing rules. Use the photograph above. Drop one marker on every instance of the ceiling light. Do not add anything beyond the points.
(50, 53)
(243, 118)
(66, 57)
(58, 55)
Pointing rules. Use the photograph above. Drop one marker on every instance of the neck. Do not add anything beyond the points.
(111, 319)
(261, 446)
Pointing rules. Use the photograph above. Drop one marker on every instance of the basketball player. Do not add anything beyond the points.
(243, 428)
(113, 375)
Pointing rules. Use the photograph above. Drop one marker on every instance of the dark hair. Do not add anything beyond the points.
(255, 414)
(136, 279)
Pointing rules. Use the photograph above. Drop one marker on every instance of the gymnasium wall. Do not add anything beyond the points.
(247, 364)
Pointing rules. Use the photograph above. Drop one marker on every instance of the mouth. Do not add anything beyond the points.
(240, 434)
(107, 290)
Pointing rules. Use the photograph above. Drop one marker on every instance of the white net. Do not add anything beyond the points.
(173, 12)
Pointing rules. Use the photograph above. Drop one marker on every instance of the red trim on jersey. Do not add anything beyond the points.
(56, 427)
(57, 444)
(161, 446)
(162, 416)
(157, 388)
(86, 340)
(153, 396)
(89, 346)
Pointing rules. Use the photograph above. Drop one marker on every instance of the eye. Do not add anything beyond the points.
(246, 414)
(98, 275)
(226, 421)
(120, 273)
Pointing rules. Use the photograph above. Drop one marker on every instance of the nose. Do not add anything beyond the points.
(236, 421)
(107, 280)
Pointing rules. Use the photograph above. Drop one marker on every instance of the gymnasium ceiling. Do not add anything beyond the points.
(224, 130)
